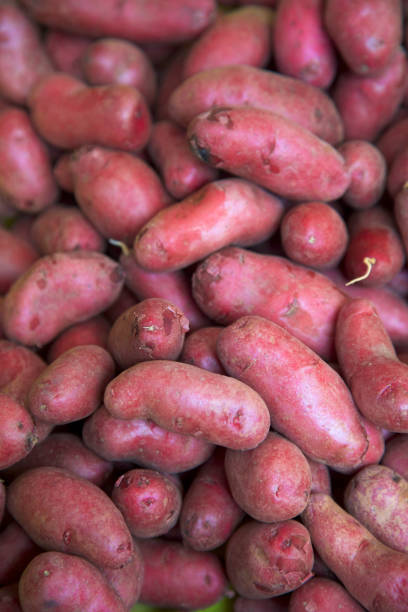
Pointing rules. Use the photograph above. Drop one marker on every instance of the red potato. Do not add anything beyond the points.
(264, 89)
(36, 310)
(65, 50)
(109, 60)
(23, 60)
(220, 213)
(171, 75)
(159, 22)
(264, 561)
(16, 257)
(301, 45)
(368, 103)
(92, 331)
(366, 33)
(324, 595)
(199, 349)
(16, 551)
(393, 139)
(276, 153)
(151, 329)
(62, 172)
(125, 300)
(117, 191)
(375, 250)
(189, 400)
(367, 167)
(65, 228)
(401, 215)
(19, 367)
(275, 604)
(324, 422)
(376, 377)
(149, 501)
(127, 581)
(209, 514)
(188, 578)
(242, 36)
(18, 431)
(68, 582)
(396, 455)
(374, 574)
(108, 115)
(235, 282)
(64, 450)
(314, 234)
(9, 600)
(64, 512)
(378, 498)
(143, 442)
(321, 481)
(398, 172)
(272, 482)
(26, 179)
(2, 500)
(181, 171)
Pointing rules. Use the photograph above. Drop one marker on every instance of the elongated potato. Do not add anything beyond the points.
(186, 399)
(324, 595)
(63, 512)
(16, 257)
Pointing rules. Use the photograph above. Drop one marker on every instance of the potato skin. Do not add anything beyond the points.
(61, 511)
(94, 330)
(65, 50)
(16, 255)
(396, 454)
(67, 582)
(272, 482)
(2, 500)
(199, 349)
(276, 153)
(143, 442)
(324, 422)
(185, 399)
(322, 594)
(16, 551)
(367, 167)
(127, 581)
(265, 560)
(36, 309)
(18, 432)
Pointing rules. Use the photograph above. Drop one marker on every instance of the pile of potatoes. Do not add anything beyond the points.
(203, 305)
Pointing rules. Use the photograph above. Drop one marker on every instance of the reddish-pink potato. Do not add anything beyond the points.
(228, 211)
(65, 50)
(321, 480)
(36, 308)
(398, 172)
(127, 581)
(64, 512)
(16, 551)
(199, 349)
(62, 172)
(19, 367)
(16, 256)
(265, 560)
(275, 604)
(367, 167)
(186, 399)
(393, 139)
(17, 431)
(94, 330)
(322, 594)
(396, 454)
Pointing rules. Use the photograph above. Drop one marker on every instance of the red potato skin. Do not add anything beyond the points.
(116, 191)
(65, 50)
(266, 560)
(50, 505)
(376, 377)
(26, 179)
(242, 36)
(2, 500)
(64, 450)
(62, 172)
(401, 215)
(280, 155)
(366, 33)
(209, 514)
(314, 234)
(72, 386)
(199, 349)
(220, 213)
(372, 573)
(393, 139)
(368, 103)
(23, 60)
(398, 172)
(108, 115)
(301, 45)
(321, 481)
(172, 286)
(232, 86)
(235, 282)
(324, 421)
(143, 442)
(36, 309)
(16, 551)
(324, 595)
(275, 604)
(189, 400)
(149, 501)
(93, 331)
(367, 167)
(152, 329)
(109, 60)
(9, 600)
(18, 431)
(125, 300)
(181, 171)
(377, 497)
(272, 482)
(67, 582)
(127, 581)
(16, 257)
(171, 76)
(188, 578)
(157, 22)
(396, 455)
(65, 228)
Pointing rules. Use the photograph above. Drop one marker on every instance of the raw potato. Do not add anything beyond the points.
(324, 595)
(65, 50)
(16, 551)
(199, 349)
(94, 330)
(16, 256)
(61, 511)
(367, 167)
(189, 400)
(396, 455)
